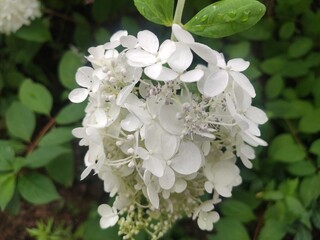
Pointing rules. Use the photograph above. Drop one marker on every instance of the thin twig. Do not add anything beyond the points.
(43, 131)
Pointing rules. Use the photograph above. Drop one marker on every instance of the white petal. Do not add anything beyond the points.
(117, 35)
(97, 52)
(128, 41)
(79, 132)
(109, 222)
(188, 159)
(238, 64)
(181, 59)
(85, 172)
(253, 140)
(153, 71)
(101, 117)
(111, 54)
(105, 210)
(168, 179)
(180, 185)
(123, 94)
(78, 95)
(192, 75)
(153, 197)
(205, 52)
(215, 83)
(143, 153)
(165, 75)
(154, 165)
(169, 144)
(153, 137)
(148, 41)
(243, 82)
(247, 151)
(168, 119)
(166, 49)
(140, 58)
(246, 162)
(256, 115)
(181, 34)
(130, 123)
(83, 76)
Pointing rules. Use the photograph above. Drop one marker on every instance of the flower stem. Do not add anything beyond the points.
(178, 12)
(178, 15)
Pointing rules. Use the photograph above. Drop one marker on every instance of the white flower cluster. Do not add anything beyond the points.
(162, 132)
(16, 13)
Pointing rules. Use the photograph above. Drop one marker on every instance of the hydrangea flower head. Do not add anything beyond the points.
(162, 131)
(16, 13)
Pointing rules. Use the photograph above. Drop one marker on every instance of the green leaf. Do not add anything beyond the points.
(37, 31)
(303, 234)
(297, 209)
(289, 109)
(271, 195)
(71, 113)
(6, 157)
(237, 210)
(309, 189)
(20, 121)
(225, 18)
(315, 147)
(36, 97)
(37, 188)
(303, 168)
(287, 30)
(160, 12)
(273, 65)
(56, 136)
(316, 216)
(300, 47)
(92, 230)
(7, 187)
(283, 149)
(68, 66)
(61, 169)
(274, 86)
(230, 229)
(310, 122)
(273, 229)
(43, 155)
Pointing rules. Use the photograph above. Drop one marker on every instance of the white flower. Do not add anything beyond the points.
(222, 176)
(151, 56)
(157, 145)
(16, 13)
(109, 216)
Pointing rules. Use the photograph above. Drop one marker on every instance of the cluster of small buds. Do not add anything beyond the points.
(16, 13)
(161, 133)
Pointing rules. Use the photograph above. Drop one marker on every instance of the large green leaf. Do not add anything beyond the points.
(225, 18)
(37, 31)
(65, 174)
(237, 210)
(36, 97)
(310, 122)
(273, 229)
(43, 155)
(37, 188)
(7, 187)
(56, 136)
(6, 157)
(20, 121)
(160, 12)
(230, 229)
(309, 189)
(68, 66)
(71, 113)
